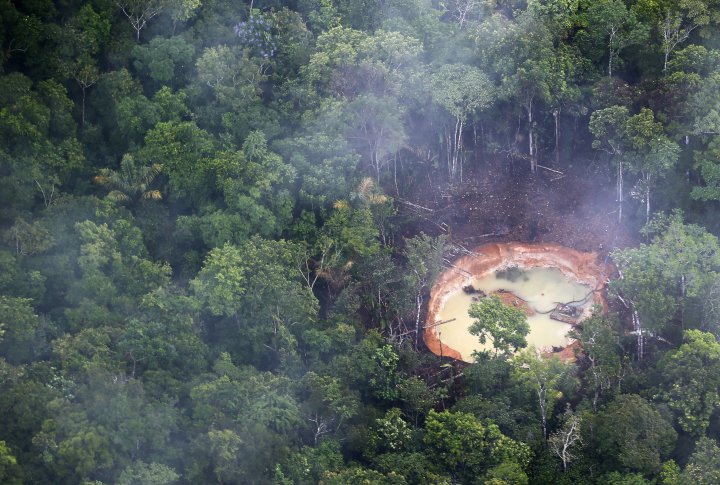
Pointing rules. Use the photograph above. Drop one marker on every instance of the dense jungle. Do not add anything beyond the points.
(221, 222)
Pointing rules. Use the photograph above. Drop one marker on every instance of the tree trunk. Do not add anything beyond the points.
(647, 199)
(531, 142)
(83, 87)
(448, 142)
(620, 189)
(459, 147)
(418, 305)
(638, 329)
(683, 289)
(456, 147)
(610, 52)
(556, 115)
(542, 393)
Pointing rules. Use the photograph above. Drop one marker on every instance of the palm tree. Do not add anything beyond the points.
(131, 183)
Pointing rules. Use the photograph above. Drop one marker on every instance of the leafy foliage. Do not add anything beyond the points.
(221, 222)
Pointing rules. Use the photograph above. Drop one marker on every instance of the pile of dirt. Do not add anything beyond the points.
(512, 300)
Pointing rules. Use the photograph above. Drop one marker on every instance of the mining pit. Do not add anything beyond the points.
(555, 286)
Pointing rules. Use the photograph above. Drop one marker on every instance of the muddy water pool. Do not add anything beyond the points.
(541, 288)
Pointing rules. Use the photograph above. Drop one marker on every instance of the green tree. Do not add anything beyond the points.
(690, 383)
(22, 339)
(164, 338)
(243, 420)
(182, 10)
(28, 238)
(38, 143)
(467, 448)
(309, 464)
(632, 432)
(80, 40)
(653, 153)
(424, 259)
(505, 326)
(232, 74)
(361, 476)
(610, 27)
(164, 59)
(391, 433)
(608, 126)
(184, 151)
(370, 366)
(461, 90)
(260, 297)
(375, 125)
(668, 275)
(114, 273)
(703, 467)
(600, 341)
(328, 404)
(618, 478)
(132, 182)
(706, 163)
(141, 473)
(325, 164)
(636, 142)
(534, 73)
(669, 473)
(545, 377)
(106, 426)
(8, 465)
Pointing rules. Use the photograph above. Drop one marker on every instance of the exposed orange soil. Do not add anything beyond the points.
(511, 299)
(581, 267)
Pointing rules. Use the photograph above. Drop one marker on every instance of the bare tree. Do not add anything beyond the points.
(85, 75)
(462, 11)
(563, 441)
(140, 12)
(673, 34)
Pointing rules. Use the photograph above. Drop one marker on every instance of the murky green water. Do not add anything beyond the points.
(541, 288)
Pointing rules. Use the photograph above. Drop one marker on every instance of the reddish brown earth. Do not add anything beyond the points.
(583, 267)
(511, 299)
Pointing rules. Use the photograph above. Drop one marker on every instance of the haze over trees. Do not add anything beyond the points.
(219, 228)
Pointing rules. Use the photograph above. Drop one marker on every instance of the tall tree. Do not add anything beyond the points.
(632, 432)
(662, 279)
(653, 153)
(140, 12)
(569, 436)
(425, 258)
(545, 377)
(600, 341)
(615, 27)
(690, 382)
(461, 90)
